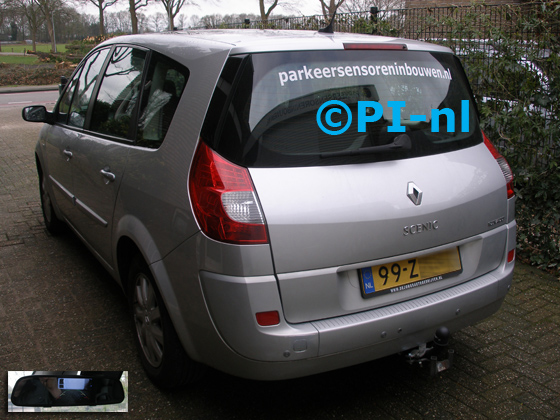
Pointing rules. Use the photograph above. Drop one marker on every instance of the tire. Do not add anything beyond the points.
(53, 224)
(162, 355)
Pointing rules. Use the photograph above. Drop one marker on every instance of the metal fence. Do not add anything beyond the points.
(413, 23)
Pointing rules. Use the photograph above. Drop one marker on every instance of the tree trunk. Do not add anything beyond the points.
(101, 19)
(170, 16)
(34, 39)
(263, 13)
(50, 30)
(133, 17)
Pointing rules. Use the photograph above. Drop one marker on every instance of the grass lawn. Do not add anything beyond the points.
(19, 59)
(40, 47)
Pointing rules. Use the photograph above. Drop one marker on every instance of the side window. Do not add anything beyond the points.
(164, 87)
(84, 88)
(115, 105)
(66, 100)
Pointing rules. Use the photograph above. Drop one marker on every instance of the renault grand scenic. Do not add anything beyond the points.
(280, 203)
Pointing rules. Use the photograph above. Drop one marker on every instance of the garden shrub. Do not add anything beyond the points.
(517, 86)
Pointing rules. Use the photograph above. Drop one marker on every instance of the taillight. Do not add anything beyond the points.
(224, 200)
(504, 166)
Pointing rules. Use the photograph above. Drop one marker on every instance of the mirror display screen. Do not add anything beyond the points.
(73, 383)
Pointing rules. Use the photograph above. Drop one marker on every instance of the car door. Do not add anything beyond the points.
(61, 137)
(101, 153)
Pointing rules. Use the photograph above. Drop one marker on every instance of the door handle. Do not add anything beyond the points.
(68, 154)
(110, 176)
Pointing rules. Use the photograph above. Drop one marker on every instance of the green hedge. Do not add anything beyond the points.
(512, 57)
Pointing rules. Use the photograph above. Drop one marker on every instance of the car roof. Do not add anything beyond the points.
(242, 41)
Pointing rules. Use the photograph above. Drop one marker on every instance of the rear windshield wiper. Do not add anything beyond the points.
(400, 143)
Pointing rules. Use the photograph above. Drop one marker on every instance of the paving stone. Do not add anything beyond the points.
(555, 401)
(538, 315)
(536, 374)
(503, 392)
(495, 349)
(496, 363)
(538, 406)
(537, 390)
(499, 378)
(507, 409)
(521, 345)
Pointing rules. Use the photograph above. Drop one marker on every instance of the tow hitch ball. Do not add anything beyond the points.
(440, 356)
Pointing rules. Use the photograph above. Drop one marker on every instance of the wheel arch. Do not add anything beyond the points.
(126, 250)
(134, 239)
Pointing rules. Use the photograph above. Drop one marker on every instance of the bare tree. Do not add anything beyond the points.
(234, 18)
(48, 8)
(118, 22)
(182, 21)
(35, 18)
(70, 24)
(173, 7)
(133, 6)
(194, 21)
(266, 14)
(330, 8)
(143, 22)
(157, 21)
(212, 21)
(101, 5)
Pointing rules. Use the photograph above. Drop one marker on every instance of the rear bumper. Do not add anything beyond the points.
(294, 350)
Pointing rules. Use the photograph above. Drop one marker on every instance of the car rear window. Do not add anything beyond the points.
(264, 112)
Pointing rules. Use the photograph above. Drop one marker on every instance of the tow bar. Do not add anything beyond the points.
(439, 356)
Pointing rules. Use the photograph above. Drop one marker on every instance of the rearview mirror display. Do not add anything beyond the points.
(51, 391)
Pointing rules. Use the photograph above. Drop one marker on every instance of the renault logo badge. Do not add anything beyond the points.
(414, 193)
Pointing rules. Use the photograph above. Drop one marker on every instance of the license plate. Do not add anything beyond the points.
(406, 274)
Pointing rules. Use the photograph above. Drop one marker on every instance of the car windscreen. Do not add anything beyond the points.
(315, 108)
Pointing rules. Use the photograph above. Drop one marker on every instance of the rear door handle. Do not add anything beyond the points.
(110, 176)
(68, 154)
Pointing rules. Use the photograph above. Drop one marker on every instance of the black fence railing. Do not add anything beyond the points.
(413, 23)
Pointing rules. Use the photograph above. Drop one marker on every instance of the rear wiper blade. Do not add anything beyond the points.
(400, 143)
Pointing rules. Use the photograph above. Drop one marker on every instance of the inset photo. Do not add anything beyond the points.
(67, 391)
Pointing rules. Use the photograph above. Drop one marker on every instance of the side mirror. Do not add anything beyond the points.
(67, 390)
(37, 113)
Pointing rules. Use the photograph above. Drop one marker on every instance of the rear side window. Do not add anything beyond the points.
(119, 93)
(164, 86)
(268, 111)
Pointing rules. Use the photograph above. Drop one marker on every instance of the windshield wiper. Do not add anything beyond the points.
(400, 143)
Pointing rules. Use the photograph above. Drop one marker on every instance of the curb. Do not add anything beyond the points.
(20, 89)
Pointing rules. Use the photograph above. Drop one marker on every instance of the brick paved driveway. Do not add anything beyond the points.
(59, 310)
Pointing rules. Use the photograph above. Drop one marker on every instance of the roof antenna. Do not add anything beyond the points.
(329, 28)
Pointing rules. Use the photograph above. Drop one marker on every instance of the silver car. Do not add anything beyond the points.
(280, 203)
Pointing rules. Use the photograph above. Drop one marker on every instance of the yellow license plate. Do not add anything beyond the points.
(406, 274)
